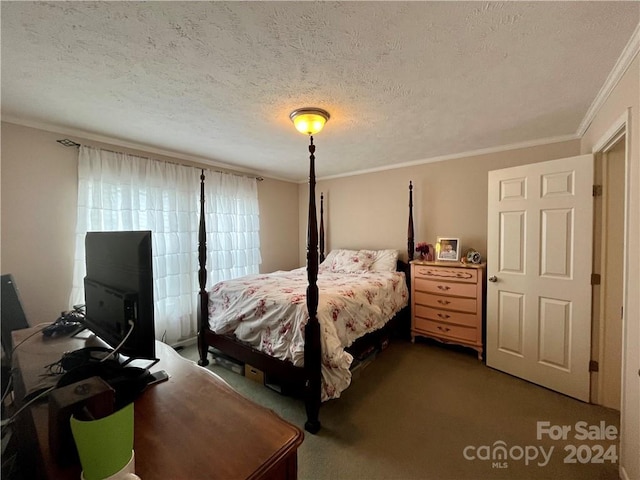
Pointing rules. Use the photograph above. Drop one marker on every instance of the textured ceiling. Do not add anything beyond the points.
(403, 81)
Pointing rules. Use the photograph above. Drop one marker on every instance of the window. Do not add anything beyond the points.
(118, 191)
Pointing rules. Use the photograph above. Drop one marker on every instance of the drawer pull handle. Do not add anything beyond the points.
(443, 329)
(444, 302)
(444, 287)
(443, 315)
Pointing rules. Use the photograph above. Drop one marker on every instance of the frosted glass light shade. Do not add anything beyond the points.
(309, 120)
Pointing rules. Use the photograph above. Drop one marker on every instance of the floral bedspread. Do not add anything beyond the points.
(269, 311)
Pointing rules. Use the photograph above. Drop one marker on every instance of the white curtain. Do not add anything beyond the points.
(117, 191)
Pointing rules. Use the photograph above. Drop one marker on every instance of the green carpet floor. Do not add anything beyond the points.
(426, 411)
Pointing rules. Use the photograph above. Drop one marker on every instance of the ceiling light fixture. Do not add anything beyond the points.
(309, 120)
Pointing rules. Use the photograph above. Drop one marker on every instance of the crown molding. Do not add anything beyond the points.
(139, 147)
(624, 61)
(469, 153)
(80, 135)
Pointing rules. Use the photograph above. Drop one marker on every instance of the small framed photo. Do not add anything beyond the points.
(448, 249)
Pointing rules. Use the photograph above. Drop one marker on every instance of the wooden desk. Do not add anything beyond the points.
(192, 426)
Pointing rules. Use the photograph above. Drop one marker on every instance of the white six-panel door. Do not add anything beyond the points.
(539, 264)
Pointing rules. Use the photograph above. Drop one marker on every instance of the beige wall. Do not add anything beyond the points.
(38, 212)
(279, 225)
(450, 199)
(39, 197)
(626, 98)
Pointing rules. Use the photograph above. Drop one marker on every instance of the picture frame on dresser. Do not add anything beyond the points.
(448, 249)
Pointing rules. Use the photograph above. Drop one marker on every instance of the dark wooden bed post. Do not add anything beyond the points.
(203, 297)
(321, 227)
(410, 244)
(312, 349)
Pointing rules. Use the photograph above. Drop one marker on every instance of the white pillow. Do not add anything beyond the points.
(328, 260)
(384, 261)
(347, 261)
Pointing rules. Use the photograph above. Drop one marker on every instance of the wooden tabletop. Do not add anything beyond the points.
(192, 426)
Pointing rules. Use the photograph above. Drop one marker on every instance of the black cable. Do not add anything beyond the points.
(10, 356)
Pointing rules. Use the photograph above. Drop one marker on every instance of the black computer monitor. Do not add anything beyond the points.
(119, 291)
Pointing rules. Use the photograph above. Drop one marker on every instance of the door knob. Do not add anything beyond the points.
(493, 278)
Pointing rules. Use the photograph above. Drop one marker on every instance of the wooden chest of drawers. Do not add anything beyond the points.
(447, 302)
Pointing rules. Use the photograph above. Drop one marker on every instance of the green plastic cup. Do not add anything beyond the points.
(105, 446)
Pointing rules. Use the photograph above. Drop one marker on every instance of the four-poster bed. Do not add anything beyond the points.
(276, 334)
(309, 375)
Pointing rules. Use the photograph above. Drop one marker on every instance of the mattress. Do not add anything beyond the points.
(269, 312)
